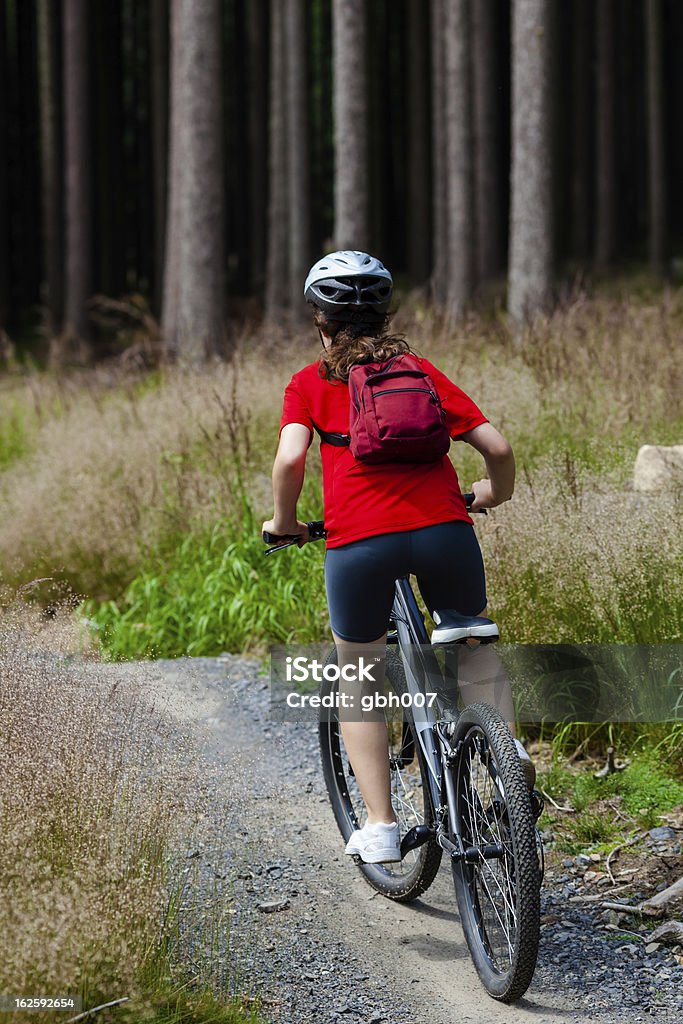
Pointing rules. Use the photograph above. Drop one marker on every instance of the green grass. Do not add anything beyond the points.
(216, 591)
(17, 433)
(648, 787)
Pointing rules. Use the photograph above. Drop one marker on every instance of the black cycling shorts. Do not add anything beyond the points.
(359, 577)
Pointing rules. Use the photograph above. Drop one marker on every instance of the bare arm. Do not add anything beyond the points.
(500, 466)
(288, 478)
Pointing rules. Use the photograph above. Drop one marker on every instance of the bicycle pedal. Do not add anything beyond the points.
(417, 836)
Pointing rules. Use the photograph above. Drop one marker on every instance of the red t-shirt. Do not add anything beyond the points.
(363, 500)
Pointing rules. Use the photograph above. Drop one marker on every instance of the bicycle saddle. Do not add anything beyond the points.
(453, 628)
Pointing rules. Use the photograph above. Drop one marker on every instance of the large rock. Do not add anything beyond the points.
(659, 469)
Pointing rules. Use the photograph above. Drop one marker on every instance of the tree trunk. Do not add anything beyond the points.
(78, 196)
(655, 136)
(112, 48)
(143, 272)
(277, 276)
(257, 138)
(439, 219)
(531, 248)
(460, 184)
(581, 119)
(606, 183)
(297, 152)
(51, 167)
(176, 167)
(378, 87)
(419, 138)
(159, 93)
(194, 298)
(322, 142)
(201, 299)
(4, 181)
(486, 125)
(351, 202)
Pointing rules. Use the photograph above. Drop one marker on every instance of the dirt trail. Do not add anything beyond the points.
(337, 952)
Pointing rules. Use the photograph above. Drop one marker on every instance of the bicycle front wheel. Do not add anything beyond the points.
(498, 884)
(406, 880)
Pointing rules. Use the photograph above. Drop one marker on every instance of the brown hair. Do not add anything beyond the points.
(353, 343)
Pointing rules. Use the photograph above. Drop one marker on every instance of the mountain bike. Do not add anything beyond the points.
(457, 788)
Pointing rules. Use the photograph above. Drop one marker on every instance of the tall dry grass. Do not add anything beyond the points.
(126, 468)
(88, 825)
(120, 464)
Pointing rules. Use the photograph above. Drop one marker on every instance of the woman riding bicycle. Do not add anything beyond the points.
(385, 519)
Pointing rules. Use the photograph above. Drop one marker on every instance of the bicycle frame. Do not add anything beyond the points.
(412, 637)
(416, 651)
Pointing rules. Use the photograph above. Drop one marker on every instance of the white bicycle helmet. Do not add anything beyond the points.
(347, 284)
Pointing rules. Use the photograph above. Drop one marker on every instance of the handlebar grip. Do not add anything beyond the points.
(469, 498)
(316, 531)
(275, 538)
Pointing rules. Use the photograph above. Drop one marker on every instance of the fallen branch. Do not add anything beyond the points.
(547, 796)
(623, 908)
(96, 1009)
(621, 846)
(611, 765)
(671, 932)
(655, 906)
(597, 897)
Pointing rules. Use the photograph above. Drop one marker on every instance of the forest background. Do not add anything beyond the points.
(171, 168)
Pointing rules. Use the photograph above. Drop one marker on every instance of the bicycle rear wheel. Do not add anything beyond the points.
(408, 879)
(499, 896)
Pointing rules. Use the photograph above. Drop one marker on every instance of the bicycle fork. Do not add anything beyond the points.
(445, 810)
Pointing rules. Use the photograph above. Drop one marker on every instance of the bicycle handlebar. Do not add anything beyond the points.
(317, 531)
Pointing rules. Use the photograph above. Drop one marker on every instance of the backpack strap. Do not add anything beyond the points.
(338, 440)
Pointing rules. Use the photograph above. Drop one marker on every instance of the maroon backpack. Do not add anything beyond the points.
(395, 414)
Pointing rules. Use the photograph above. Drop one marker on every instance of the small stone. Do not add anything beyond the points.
(567, 862)
(596, 857)
(611, 917)
(652, 947)
(272, 906)
(582, 860)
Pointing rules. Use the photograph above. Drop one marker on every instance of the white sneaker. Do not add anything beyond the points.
(378, 843)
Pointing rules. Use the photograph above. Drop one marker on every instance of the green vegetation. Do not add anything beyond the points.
(216, 592)
(94, 901)
(649, 786)
(134, 487)
(16, 430)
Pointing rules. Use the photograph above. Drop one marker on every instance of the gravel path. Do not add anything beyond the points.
(304, 931)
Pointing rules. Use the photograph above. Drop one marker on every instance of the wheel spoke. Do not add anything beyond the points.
(493, 878)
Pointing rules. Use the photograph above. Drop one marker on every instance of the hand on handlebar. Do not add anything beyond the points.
(483, 496)
(280, 534)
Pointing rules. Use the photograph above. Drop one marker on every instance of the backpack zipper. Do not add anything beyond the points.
(395, 391)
